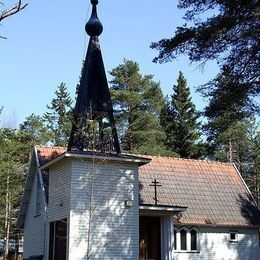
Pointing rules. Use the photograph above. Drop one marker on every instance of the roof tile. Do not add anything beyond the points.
(213, 192)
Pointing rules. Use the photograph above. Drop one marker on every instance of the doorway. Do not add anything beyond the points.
(150, 238)
(58, 240)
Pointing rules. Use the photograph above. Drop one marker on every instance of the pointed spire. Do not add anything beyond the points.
(93, 111)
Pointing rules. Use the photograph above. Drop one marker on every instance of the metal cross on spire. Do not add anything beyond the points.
(155, 185)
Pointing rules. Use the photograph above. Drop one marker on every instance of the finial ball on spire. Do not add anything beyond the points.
(94, 26)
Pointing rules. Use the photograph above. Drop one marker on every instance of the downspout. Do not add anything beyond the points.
(45, 201)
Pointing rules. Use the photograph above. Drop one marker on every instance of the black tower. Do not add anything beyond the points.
(93, 125)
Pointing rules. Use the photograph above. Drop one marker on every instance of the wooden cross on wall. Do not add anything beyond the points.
(155, 184)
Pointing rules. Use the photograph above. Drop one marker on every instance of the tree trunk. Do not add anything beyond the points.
(7, 220)
(257, 189)
(230, 152)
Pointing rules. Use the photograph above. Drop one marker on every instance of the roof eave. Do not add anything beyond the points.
(150, 209)
(214, 225)
(130, 159)
(27, 191)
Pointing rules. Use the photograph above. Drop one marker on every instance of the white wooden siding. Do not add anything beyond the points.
(114, 229)
(59, 191)
(214, 244)
(59, 196)
(34, 226)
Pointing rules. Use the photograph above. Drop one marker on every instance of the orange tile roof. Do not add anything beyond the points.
(214, 192)
(47, 153)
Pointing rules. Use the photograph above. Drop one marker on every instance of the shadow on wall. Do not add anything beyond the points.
(248, 244)
(249, 210)
(101, 215)
(206, 254)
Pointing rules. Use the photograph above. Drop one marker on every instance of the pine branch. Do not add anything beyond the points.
(11, 11)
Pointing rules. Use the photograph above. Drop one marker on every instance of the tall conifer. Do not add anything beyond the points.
(58, 118)
(179, 120)
(231, 128)
(137, 103)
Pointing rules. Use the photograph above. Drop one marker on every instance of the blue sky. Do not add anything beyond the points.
(46, 45)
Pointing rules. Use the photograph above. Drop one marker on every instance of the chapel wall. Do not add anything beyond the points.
(99, 191)
(214, 244)
(33, 244)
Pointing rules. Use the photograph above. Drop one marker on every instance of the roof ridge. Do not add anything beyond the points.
(186, 159)
(149, 156)
(50, 147)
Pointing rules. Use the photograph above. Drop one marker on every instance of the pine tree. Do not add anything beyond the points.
(239, 144)
(231, 127)
(227, 106)
(137, 103)
(14, 156)
(58, 118)
(229, 34)
(179, 120)
(34, 130)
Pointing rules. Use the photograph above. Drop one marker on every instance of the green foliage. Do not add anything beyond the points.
(137, 103)
(58, 118)
(255, 182)
(179, 120)
(236, 143)
(240, 144)
(228, 104)
(14, 156)
(231, 128)
(35, 132)
(230, 35)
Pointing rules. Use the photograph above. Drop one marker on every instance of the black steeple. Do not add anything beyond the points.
(93, 125)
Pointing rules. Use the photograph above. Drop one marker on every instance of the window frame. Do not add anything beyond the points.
(235, 240)
(197, 239)
(184, 239)
(178, 244)
(54, 227)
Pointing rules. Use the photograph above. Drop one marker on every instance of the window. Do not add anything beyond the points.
(193, 239)
(58, 240)
(185, 239)
(38, 197)
(233, 236)
(175, 237)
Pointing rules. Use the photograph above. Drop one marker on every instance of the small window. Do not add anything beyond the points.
(183, 239)
(193, 239)
(233, 236)
(175, 241)
(38, 197)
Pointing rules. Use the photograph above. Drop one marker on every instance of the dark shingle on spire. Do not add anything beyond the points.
(93, 105)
